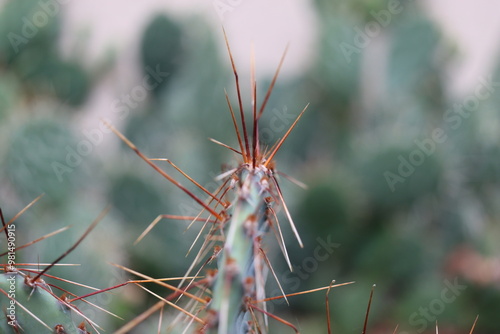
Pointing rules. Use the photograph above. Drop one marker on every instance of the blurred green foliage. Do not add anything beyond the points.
(401, 238)
(29, 47)
(31, 151)
(162, 31)
(23, 40)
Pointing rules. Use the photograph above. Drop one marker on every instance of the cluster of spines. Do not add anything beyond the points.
(234, 296)
(232, 299)
(28, 302)
(228, 300)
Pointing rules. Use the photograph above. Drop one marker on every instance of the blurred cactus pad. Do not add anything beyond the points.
(402, 177)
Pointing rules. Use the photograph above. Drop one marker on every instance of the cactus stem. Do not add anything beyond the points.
(27, 310)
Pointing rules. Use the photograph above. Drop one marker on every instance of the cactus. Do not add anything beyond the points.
(236, 302)
(240, 279)
(27, 301)
(36, 309)
(232, 298)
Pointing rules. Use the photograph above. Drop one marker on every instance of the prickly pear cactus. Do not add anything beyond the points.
(32, 307)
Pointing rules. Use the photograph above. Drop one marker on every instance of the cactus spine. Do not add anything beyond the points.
(35, 308)
(28, 304)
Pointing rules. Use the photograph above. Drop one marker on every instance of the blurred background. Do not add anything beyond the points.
(399, 148)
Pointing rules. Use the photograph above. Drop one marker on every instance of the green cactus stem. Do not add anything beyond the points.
(240, 278)
(31, 307)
